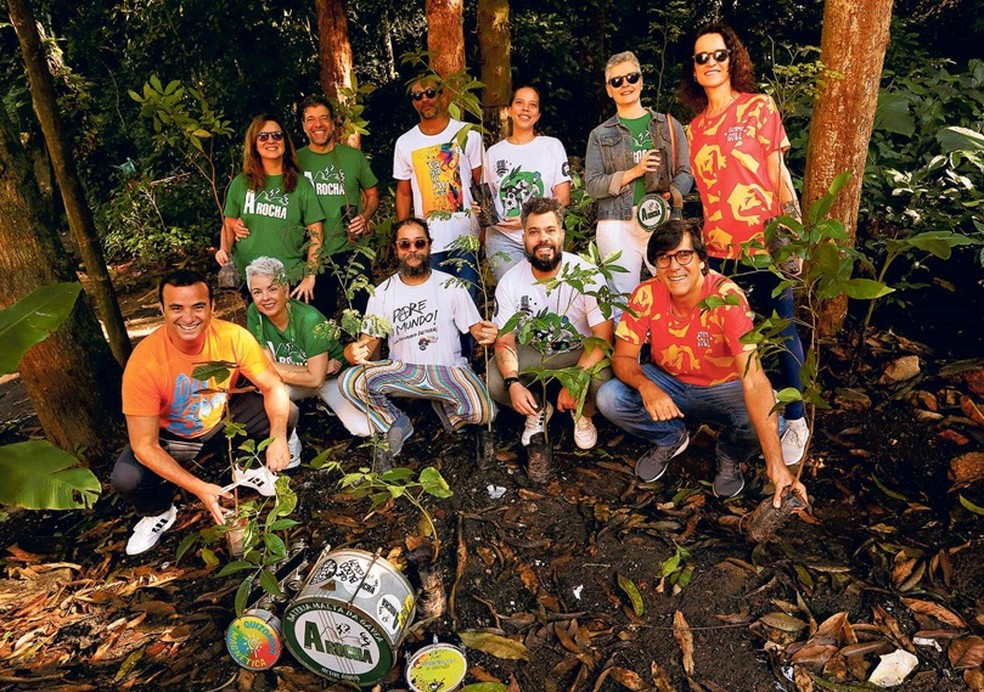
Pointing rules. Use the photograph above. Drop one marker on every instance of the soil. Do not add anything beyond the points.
(554, 566)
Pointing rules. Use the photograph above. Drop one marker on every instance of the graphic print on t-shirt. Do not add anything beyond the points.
(330, 180)
(641, 143)
(191, 413)
(270, 203)
(517, 187)
(436, 170)
(416, 321)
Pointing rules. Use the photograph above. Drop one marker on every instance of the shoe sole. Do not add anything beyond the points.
(681, 450)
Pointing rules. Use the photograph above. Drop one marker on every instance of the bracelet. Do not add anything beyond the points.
(510, 381)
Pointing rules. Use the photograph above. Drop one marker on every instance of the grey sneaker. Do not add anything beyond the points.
(536, 423)
(652, 465)
(794, 439)
(442, 415)
(399, 432)
(728, 482)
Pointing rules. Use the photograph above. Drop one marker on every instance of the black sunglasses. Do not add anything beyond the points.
(719, 55)
(631, 78)
(429, 93)
(276, 134)
(417, 243)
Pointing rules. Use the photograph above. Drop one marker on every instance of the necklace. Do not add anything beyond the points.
(718, 111)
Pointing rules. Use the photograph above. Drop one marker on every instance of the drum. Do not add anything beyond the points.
(350, 617)
(437, 667)
(253, 639)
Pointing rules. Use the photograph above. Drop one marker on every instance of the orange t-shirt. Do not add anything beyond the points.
(699, 348)
(158, 381)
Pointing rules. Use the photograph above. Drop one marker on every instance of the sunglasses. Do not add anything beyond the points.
(417, 244)
(429, 93)
(277, 135)
(683, 258)
(719, 55)
(631, 78)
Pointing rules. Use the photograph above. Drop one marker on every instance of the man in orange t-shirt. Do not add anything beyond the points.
(171, 416)
(700, 370)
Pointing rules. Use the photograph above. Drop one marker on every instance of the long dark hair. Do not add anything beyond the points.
(253, 165)
(508, 130)
(740, 69)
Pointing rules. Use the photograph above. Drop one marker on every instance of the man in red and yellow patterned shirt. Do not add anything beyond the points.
(700, 370)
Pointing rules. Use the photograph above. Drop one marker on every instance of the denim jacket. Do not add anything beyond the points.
(609, 155)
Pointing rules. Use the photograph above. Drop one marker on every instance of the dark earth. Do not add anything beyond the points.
(889, 558)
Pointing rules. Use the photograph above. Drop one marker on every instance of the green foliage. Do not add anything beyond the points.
(38, 475)
(349, 109)
(677, 569)
(182, 117)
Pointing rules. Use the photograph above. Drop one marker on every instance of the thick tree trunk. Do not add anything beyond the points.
(79, 216)
(71, 377)
(445, 36)
(495, 44)
(854, 40)
(335, 51)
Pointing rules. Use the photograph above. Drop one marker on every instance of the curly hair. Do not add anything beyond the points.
(740, 69)
(253, 165)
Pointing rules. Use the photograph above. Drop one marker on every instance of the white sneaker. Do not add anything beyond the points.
(294, 445)
(148, 531)
(794, 441)
(261, 479)
(585, 432)
(536, 423)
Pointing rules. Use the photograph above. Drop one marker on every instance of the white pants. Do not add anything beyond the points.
(353, 419)
(631, 239)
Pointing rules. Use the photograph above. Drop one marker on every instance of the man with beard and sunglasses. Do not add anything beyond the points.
(521, 291)
(421, 312)
(622, 166)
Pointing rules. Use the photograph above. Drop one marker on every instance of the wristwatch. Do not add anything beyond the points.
(510, 381)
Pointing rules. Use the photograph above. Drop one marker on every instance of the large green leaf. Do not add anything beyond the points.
(892, 114)
(31, 319)
(38, 475)
(960, 139)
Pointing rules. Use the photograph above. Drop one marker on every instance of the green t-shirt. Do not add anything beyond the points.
(642, 141)
(300, 341)
(277, 220)
(338, 178)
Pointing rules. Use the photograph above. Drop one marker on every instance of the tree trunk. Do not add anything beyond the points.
(854, 40)
(335, 51)
(79, 216)
(71, 377)
(495, 44)
(445, 36)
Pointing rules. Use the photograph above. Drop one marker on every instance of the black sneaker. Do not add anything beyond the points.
(652, 465)
(728, 482)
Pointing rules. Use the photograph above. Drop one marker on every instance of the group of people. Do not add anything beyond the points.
(288, 209)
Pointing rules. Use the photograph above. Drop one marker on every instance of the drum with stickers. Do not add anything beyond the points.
(350, 617)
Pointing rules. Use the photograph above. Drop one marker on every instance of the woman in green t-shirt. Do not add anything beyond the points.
(271, 209)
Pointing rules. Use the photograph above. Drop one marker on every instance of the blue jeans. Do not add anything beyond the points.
(758, 287)
(722, 404)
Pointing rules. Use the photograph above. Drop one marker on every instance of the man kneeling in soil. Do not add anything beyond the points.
(171, 416)
(294, 336)
(424, 311)
(700, 370)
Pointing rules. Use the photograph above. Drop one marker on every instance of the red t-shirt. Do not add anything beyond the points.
(158, 382)
(698, 348)
(728, 154)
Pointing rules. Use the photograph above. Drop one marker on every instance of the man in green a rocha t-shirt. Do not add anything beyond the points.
(347, 190)
(295, 336)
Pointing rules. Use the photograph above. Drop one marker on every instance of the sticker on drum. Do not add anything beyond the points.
(350, 573)
(436, 668)
(325, 572)
(253, 640)
(388, 613)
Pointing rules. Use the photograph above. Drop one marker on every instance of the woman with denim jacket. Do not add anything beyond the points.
(737, 142)
(620, 152)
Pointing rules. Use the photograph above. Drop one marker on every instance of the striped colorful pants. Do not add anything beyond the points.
(460, 392)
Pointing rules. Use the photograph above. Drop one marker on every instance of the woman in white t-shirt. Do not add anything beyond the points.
(521, 166)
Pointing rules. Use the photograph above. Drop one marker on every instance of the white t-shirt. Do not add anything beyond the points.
(426, 319)
(518, 291)
(516, 172)
(440, 177)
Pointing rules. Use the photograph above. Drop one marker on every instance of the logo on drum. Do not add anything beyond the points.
(652, 212)
(325, 572)
(313, 641)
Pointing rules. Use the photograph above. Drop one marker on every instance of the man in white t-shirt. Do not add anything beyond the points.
(579, 313)
(422, 314)
(434, 176)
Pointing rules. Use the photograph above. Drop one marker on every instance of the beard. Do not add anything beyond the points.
(421, 269)
(544, 265)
